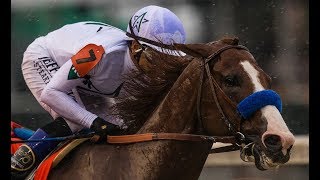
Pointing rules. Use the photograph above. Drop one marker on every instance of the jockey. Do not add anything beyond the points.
(93, 56)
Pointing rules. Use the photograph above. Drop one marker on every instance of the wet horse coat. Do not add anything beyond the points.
(174, 110)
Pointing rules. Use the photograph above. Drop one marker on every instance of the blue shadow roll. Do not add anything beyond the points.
(258, 100)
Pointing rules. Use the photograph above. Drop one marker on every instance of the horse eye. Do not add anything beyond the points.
(231, 81)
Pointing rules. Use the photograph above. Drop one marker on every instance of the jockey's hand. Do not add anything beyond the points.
(103, 128)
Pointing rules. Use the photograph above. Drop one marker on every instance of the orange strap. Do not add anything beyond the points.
(167, 136)
(177, 136)
(130, 138)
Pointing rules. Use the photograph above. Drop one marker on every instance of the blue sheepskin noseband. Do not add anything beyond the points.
(258, 100)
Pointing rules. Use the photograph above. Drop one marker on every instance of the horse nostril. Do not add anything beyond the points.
(273, 142)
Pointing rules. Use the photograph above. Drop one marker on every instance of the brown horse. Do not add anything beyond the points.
(192, 94)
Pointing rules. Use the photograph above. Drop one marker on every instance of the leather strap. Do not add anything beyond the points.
(213, 85)
(134, 138)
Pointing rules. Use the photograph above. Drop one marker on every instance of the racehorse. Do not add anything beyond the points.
(190, 102)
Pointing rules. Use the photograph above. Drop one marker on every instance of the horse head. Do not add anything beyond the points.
(247, 104)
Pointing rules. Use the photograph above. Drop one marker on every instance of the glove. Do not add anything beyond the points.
(103, 128)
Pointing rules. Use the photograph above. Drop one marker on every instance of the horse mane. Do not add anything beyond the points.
(145, 90)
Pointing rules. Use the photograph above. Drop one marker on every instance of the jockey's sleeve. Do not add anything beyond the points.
(55, 95)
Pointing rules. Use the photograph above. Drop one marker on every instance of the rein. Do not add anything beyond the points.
(137, 138)
(236, 140)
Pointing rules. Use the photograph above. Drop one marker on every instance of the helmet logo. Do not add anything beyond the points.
(138, 20)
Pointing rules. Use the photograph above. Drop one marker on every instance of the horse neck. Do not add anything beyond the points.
(176, 112)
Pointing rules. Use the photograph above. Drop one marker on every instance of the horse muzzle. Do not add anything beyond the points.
(263, 159)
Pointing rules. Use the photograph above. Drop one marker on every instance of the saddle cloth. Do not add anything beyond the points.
(42, 171)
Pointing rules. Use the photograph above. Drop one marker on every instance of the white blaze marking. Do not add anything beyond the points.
(276, 124)
(253, 75)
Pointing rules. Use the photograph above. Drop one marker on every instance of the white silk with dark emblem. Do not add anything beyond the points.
(51, 76)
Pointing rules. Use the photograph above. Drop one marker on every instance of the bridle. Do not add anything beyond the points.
(215, 86)
(237, 139)
(235, 130)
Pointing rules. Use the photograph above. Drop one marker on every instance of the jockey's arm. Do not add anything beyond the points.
(55, 95)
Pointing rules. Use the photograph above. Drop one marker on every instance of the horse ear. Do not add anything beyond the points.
(231, 40)
(195, 50)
